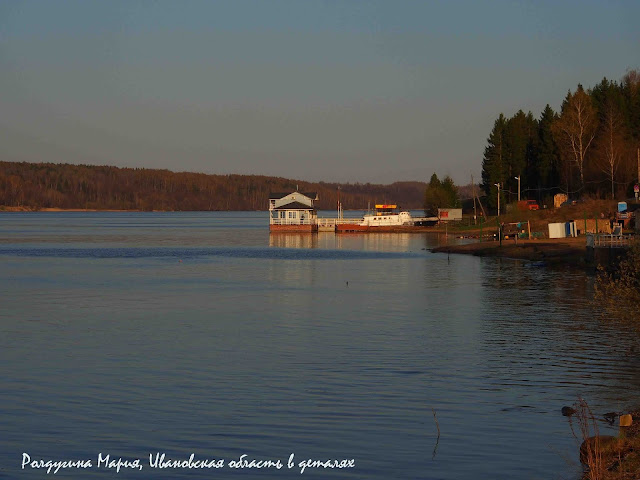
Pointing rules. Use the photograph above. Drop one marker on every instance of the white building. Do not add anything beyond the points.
(293, 212)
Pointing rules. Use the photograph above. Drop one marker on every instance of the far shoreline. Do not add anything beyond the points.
(4, 208)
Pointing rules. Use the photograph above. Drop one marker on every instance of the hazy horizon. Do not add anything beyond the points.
(342, 92)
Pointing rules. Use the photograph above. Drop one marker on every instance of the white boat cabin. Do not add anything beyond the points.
(387, 216)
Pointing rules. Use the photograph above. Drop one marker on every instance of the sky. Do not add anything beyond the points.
(336, 91)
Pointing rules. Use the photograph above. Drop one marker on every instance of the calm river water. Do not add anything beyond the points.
(132, 334)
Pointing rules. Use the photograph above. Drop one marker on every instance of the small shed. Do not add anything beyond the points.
(559, 199)
(562, 230)
(449, 214)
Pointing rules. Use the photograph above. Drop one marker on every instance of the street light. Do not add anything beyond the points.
(498, 185)
(518, 178)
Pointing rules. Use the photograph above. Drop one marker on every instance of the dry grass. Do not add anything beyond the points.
(592, 442)
(606, 457)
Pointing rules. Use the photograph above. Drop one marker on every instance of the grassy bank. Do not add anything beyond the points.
(539, 219)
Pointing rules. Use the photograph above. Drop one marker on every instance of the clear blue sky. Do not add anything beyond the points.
(368, 91)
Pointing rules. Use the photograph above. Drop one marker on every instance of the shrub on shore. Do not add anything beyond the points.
(606, 457)
(618, 292)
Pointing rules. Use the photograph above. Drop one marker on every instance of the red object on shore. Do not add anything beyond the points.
(528, 205)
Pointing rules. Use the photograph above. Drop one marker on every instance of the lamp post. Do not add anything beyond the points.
(498, 185)
(518, 178)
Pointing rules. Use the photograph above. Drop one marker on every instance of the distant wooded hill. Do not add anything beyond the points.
(47, 185)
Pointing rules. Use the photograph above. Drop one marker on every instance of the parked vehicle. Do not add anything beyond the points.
(528, 205)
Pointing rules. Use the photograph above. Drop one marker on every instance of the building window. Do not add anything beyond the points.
(292, 214)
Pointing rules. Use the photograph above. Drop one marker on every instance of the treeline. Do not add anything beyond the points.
(590, 147)
(47, 185)
(440, 194)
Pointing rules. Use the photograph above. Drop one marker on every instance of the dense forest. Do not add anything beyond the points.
(590, 147)
(46, 185)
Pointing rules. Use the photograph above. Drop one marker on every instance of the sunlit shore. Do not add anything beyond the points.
(566, 250)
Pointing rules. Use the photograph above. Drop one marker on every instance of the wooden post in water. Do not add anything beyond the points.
(529, 228)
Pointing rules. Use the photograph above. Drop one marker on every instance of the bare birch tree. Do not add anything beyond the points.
(576, 128)
(610, 143)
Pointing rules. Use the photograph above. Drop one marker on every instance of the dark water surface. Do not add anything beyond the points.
(134, 333)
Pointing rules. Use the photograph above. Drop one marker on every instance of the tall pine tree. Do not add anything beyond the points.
(493, 163)
(519, 138)
(546, 172)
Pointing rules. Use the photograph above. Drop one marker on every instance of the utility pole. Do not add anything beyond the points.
(473, 193)
(518, 178)
(484, 214)
(638, 178)
(498, 185)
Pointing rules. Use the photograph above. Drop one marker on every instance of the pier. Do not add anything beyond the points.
(606, 249)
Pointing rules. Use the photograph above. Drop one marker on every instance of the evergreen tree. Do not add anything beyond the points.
(520, 136)
(493, 163)
(546, 172)
(434, 182)
(631, 94)
(601, 92)
(440, 194)
(451, 192)
(516, 152)
(529, 183)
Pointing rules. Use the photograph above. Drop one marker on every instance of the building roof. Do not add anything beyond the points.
(311, 195)
(294, 206)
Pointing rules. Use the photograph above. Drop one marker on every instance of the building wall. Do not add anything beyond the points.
(604, 226)
(293, 228)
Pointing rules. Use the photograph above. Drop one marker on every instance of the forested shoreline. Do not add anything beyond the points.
(66, 186)
(591, 147)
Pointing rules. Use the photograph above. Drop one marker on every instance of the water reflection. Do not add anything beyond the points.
(381, 242)
(293, 240)
(539, 330)
(239, 341)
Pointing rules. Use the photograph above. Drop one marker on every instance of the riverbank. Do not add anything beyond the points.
(569, 251)
(612, 457)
